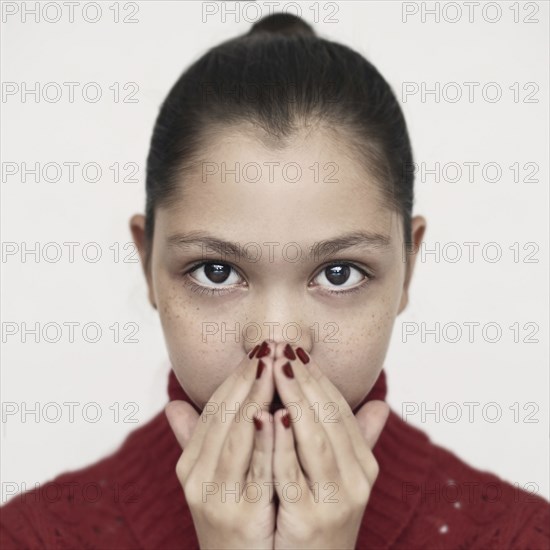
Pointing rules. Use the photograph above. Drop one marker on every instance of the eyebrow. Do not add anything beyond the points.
(355, 239)
(318, 251)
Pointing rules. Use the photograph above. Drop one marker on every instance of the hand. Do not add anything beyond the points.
(223, 451)
(323, 464)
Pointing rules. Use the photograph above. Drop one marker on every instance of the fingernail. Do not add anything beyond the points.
(258, 423)
(285, 419)
(304, 358)
(256, 348)
(288, 353)
(287, 369)
(264, 350)
(261, 366)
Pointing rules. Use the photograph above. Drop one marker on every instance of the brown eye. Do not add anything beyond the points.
(217, 273)
(341, 275)
(214, 273)
(337, 274)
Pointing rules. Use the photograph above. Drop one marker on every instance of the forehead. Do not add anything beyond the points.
(246, 184)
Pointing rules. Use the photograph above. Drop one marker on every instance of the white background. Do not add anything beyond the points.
(152, 53)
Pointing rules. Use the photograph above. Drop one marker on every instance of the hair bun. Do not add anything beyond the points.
(282, 23)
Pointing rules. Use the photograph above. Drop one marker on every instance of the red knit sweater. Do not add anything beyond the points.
(425, 497)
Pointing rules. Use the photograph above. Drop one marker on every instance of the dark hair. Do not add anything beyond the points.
(279, 76)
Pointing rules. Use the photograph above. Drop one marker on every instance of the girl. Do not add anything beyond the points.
(279, 199)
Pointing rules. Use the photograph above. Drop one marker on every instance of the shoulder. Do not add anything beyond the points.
(64, 511)
(82, 508)
(460, 506)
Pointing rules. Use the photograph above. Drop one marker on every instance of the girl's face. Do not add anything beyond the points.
(281, 209)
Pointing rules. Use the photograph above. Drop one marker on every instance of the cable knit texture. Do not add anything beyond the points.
(425, 497)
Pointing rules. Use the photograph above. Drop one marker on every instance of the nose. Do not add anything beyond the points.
(279, 324)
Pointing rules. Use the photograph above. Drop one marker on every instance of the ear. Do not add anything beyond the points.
(418, 228)
(137, 228)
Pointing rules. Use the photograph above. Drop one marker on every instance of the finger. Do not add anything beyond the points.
(287, 470)
(338, 419)
(330, 414)
(228, 417)
(361, 446)
(302, 396)
(371, 418)
(261, 463)
(236, 451)
(182, 418)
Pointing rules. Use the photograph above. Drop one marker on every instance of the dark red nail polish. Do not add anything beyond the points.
(256, 348)
(258, 423)
(287, 369)
(261, 366)
(288, 353)
(285, 419)
(304, 358)
(264, 350)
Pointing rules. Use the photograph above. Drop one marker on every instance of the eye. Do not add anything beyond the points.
(211, 276)
(213, 273)
(344, 275)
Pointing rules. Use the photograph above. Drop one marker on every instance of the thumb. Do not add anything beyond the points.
(372, 417)
(182, 418)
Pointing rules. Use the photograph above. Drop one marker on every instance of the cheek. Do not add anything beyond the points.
(354, 363)
(176, 317)
(197, 365)
(200, 355)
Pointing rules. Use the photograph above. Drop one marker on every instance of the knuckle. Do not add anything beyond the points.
(373, 469)
(321, 443)
(245, 374)
(230, 445)
(181, 468)
(301, 406)
(308, 379)
(339, 517)
(361, 491)
(305, 532)
(193, 493)
(290, 471)
(257, 470)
